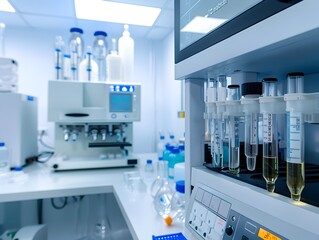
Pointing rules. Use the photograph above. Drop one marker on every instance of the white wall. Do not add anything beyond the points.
(154, 69)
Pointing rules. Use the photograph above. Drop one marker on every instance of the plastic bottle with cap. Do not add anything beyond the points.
(113, 64)
(149, 169)
(76, 50)
(161, 146)
(18, 175)
(126, 52)
(100, 50)
(177, 205)
(66, 69)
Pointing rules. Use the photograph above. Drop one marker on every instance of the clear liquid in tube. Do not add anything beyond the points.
(270, 172)
(296, 179)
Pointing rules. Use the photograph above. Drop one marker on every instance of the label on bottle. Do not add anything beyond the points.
(254, 129)
(295, 128)
(267, 128)
(235, 137)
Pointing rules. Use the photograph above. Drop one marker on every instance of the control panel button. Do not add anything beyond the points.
(126, 115)
(244, 238)
(206, 199)
(229, 230)
(219, 226)
(113, 115)
(199, 194)
(224, 208)
(214, 203)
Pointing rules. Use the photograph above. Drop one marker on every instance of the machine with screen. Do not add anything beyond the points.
(93, 123)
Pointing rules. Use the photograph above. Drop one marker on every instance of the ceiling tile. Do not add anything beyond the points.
(49, 22)
(12, 20)
(61, 8)
(165, 19)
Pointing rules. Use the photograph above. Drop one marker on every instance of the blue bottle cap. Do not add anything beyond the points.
(162, 137)
(2, 144)
(180, 186)
(175, 150)
(18, 169)
(149, 161)
(75, 29)
(100, 33)
(181, 147)
(67, 55)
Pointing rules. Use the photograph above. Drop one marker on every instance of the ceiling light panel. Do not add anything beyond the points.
(107, 11)
(6, 6)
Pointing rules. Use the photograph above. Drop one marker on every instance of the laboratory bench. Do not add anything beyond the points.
(136, 206)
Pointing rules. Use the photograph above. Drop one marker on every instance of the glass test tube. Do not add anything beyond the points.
(251, 90)
(212, 97)
(219, 126)
(233, 123)
(295, 148)
(270, 138)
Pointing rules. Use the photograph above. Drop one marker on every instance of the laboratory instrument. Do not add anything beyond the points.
(100, 50)
(8, 75)
(235, 112)
(33, 232)
(93, 123)
(4, 160)
(19, 127)
(76, 50)
(126, 52)
(271, 107)
(226, 206)
(251, 92)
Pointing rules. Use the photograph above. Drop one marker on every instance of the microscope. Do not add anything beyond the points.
(93, 123)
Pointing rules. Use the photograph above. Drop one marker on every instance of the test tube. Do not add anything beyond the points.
(270, 138)
(251, 91)
(233, 123)
(219, 125)
(295, 148)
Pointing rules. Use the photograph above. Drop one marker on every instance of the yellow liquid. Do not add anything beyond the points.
(270, 172)
(295, 179)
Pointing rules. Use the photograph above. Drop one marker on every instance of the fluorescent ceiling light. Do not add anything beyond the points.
(203, 25)
(6, 6)
(107, 11)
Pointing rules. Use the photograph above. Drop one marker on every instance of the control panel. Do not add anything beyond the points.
(211, 215)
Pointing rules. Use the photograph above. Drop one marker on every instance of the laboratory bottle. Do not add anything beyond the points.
(182, 151)
(113, 64)
(172, 140)
(2, 45)
(233, 106)
(66, 69)
(270, 137)
(295, 178)
(126, 52)
(251, 91)
(149, 169)
(177, 206)
(58, 57)
(4, 160)
(100, 50)
(76, 50)
(162, 199)
(174, 157)
(162, 176)
(88, 69)
(161, 147)
(167, 152)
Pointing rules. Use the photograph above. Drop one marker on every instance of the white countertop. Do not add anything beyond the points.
(137, 207)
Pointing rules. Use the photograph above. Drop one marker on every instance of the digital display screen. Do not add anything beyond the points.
(265, 235)
(120, 102)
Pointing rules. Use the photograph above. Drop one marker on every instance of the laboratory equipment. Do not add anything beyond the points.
(173, 158)
(93, 123)
(66, 69)
(76, 50)
(8, 75)
(235, 112)
(88, 69)
(126, 52)
(58, 57)
(100, 50)
(271, 106)
(113, 64)
(161, 146)
(253, 213)
(295, 147)
(177, 211)
(34, 232)
(19, 127)
(251, 92)
(2, 45)
(4, 160)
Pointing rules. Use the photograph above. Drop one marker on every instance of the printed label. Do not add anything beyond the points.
(254, 130)
(267, 128)
(295, 138)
